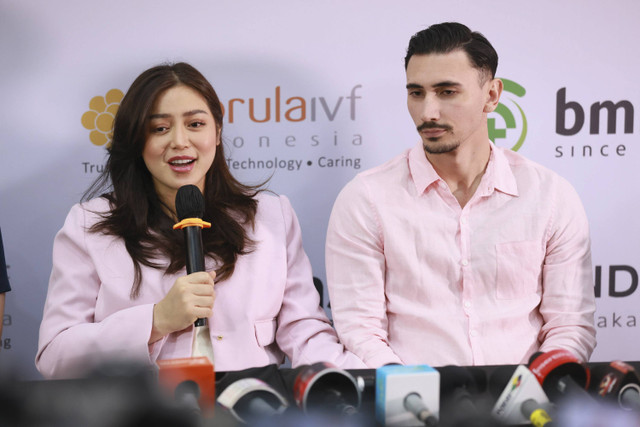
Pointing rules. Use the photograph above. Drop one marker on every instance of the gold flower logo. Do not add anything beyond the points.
(99, 119)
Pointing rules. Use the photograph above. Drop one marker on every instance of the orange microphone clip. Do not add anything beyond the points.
(190, 222)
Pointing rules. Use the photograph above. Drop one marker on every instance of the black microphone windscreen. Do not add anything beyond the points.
(499, 379)
(480, 379)
(452, 377)
(189, 202)
(534, 356)
(598, 372)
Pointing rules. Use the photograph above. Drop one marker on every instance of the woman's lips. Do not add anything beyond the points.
(182, 164)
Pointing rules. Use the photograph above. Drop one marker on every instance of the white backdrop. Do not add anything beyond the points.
(341, 64)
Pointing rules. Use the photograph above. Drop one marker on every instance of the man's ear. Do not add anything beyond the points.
(493, 95)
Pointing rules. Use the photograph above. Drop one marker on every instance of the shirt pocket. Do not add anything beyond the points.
(265, 331)
(518, 269)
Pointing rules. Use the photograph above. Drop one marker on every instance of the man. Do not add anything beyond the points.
(458, 251)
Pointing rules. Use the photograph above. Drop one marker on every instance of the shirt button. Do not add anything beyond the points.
(443, 185)
(465, 262)
(219, 337)
(463, 220)
(467, 304)
(473, 333)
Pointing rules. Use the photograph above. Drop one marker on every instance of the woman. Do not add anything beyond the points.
(118, 287)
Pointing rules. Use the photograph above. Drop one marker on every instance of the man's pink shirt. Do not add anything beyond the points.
(414, 278)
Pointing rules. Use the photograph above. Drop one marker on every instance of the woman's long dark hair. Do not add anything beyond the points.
(136, 212)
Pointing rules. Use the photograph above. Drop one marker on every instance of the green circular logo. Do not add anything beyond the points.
(514, 123)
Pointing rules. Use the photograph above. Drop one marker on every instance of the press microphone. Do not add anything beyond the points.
(539, 414)
(520, 397)
(461, 391)
(457, 390)
(251, 399)
(322, 388)
(616, 381)
(561, 375)
(190, 210)
(191, 380)
(111, 393)
(629, 397)
(406, 395)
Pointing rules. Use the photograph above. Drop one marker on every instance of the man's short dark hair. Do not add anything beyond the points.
(449, 36)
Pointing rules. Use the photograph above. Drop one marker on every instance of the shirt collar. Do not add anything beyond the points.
(422, 172)
(498, 175)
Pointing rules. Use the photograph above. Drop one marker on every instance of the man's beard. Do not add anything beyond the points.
(437, 147)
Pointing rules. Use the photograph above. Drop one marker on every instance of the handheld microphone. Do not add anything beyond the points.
(616, 381)
(190, 209)
(561, 375)
(522, 400)
(325, 389)
(191, 380)
(407, 394)
(251, 399)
